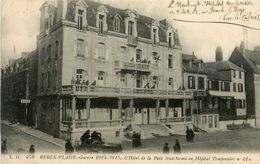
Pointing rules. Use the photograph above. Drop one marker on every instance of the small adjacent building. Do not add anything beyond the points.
(18, 86)
(249, 60)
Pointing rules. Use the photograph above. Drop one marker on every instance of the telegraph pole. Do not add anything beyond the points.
(26, 96)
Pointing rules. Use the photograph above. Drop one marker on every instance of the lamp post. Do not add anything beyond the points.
(26, 96)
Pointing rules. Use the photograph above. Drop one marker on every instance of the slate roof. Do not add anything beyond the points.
(213, 74)
(143, 22)
(253, 59)
(194, 67)
(223, 65)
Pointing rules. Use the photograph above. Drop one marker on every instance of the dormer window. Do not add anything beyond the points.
(80, 19)
(101, 18)
(170, 38)
(131, 28)
(101, 24)
(155, 32)
(117, 24)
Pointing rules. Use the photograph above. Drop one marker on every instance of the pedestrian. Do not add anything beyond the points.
(187, 134)
(134, 138)
(192, 134)
(166, 148)
(4, 147)
(177, 147)
(68, 147)
(138, 140)
(32, 149)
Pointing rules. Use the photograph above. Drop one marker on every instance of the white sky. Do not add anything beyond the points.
(20, 26)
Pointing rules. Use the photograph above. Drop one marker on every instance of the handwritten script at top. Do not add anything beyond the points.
(228, 10)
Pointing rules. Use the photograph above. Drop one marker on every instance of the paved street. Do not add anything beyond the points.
(18, 141)
(245, 140)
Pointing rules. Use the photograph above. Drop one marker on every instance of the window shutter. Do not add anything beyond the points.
(74, 49)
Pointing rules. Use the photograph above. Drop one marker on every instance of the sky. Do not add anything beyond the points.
(20, 26)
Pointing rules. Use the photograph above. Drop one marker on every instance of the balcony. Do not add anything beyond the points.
(200, 93)
(97, 91)
(132, 41)
(132, 66)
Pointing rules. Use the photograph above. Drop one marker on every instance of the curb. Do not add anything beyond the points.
(61, 146)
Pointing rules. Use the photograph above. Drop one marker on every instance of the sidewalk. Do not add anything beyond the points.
(35, 133)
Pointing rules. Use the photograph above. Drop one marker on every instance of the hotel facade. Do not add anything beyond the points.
(103, 67)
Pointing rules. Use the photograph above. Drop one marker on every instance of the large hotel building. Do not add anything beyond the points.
(103, 68)
(100, 66)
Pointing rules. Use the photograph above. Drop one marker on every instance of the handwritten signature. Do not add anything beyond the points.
(231, 10)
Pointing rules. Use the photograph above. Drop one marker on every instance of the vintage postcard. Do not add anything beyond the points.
(169, 81)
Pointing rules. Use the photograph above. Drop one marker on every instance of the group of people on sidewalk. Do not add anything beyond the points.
(136, 140)
(176, 147)
(4, 149)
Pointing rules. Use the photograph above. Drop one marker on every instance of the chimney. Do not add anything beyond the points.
(242, 47)
(219, 54)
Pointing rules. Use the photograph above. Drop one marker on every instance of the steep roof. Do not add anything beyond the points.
(213, 74)
(143, 22)
(223, 65)
(192, 67)
(253, 59)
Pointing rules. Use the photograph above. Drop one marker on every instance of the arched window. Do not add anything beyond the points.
(116, 24)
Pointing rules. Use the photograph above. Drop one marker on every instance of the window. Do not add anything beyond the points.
(56, 49)
(49, 53)
(191, 82)
(138, 55)
(80, 47)
(54, 78)
(123, 51)
(170, 40)
(131, 28)
(240, 87)
(101, 51)
(80, 19)
(42, 55)
(117, 24)
(170, 82)
(101, 75)
(154, 35)
(101, 24)
(244, 103)
(204, 119)
(170, 61)
(48, 79)
(210, 84)
(240, 74)
(201, 83)
(42, 81)
(234, 87)
(122, 77)
(155, 81)
(79, 74)
(239, 103)
(234, 73)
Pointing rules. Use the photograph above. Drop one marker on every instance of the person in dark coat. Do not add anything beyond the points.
(32, 149)
(4, 147)
(134, 138)
(166, 148)
(68, 147)
(192, 134)
(85, 138)
(177, 147)
(138, 140)
(187, 134)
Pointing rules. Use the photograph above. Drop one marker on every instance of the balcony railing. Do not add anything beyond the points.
(144, 67)
(115, 92)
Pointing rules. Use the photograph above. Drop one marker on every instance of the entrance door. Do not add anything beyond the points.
(138, 81)
(210, 122)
